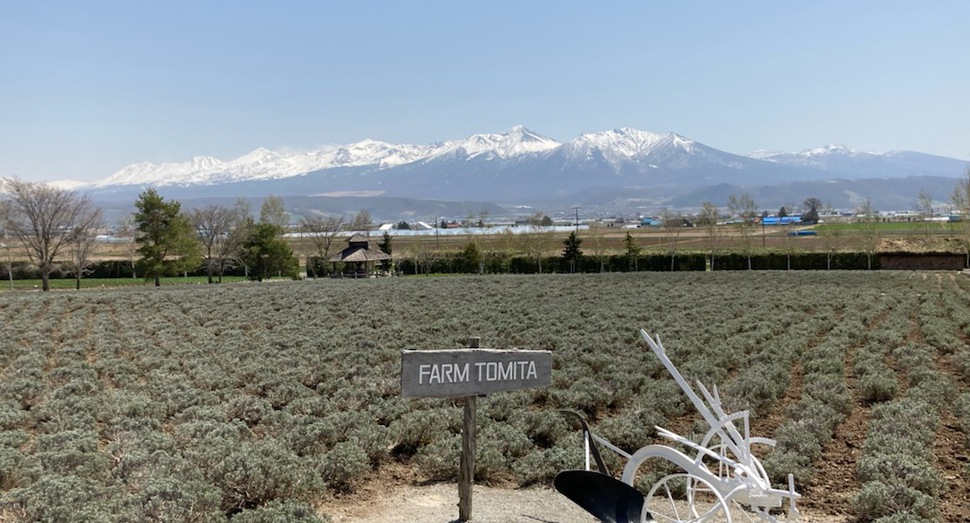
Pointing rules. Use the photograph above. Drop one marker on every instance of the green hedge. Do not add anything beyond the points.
(803, 261)
(101, 269)
(500, 263)
(495, 263)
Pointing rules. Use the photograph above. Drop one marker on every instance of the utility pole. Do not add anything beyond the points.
(577, 220)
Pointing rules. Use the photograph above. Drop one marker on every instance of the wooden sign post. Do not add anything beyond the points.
(469, 373)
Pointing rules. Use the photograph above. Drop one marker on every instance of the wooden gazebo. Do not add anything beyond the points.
(359, 253)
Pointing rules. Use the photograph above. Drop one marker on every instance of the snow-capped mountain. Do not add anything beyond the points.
(521, 166)
(820, 157)
(514, 142)
(264, 164)
(839, 161)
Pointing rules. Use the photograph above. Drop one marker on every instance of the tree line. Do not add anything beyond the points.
(58, 227)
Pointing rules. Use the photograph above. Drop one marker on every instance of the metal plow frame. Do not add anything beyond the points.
(722, 482)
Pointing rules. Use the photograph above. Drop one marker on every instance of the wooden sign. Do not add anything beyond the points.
(472, 372)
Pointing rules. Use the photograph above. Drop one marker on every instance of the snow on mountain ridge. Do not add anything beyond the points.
(515, 141)
(616, 147)
(264, 164)
(833, 149)
(625, 141)
(808, 154)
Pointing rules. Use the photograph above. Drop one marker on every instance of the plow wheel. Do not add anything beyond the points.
(683, 498)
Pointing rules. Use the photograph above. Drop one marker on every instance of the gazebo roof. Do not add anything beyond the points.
(359, 251)
(359, 254)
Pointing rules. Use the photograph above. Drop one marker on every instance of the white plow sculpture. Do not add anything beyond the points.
(722, 481)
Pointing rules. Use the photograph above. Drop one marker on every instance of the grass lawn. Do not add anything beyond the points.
(100, 283)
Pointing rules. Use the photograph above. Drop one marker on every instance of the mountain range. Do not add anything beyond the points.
(619, 170)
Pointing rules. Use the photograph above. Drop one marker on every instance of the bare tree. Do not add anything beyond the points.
(744, 209)
(596, 239)
(708, 218)
(273, 211)
(322, 233)
(870, 231)
(129, 233)
(924, 204)
(362, 222)
(832, 241)
(790, 243)
(961, 200)
(811, 207)
(81, 246)
(509, 247)
(44, 219)
(8, 259)
(477, 239)
(425, 255)
(538, 238)
(216, 226)
(244, 207)
(673, 224)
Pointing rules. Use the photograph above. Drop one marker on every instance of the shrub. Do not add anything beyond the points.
(904, 517)
(779, 463)
(898, 503)
(343, 466)
(630, 431)
(900, 469)
(417, 429)
(256, 473)
(11, 415)
(178, 499)
(878, 387)
(248, 409)
(587, 395)
(440, 459)
(280, 512)
(961, 410)
(541, 466)
(10, 466)
(58, 498)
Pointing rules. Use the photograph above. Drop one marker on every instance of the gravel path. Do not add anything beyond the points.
(439, 504)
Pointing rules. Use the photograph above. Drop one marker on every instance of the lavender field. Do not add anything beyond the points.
(254, 402)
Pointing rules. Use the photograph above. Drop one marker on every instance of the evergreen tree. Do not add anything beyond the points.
(472, 258)
(571, 251)
(266, 253)
(632, 252)
(385, 244)
(166, 237)
(385, 247)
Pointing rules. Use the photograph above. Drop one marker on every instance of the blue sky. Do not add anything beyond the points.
(89, 87)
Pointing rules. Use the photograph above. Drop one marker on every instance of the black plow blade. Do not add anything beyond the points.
(605, 497)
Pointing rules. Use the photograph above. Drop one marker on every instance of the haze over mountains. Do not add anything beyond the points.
(620, 169)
